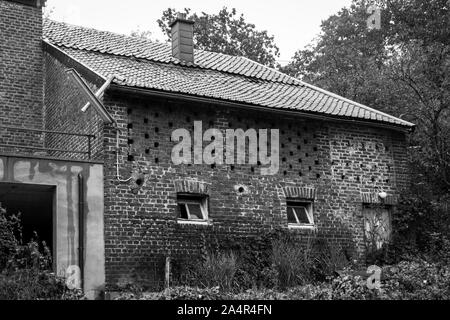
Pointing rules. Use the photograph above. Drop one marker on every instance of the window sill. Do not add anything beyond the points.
(195, 222)
(301, 226)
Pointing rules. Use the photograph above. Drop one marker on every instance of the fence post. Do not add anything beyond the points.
(167, 273)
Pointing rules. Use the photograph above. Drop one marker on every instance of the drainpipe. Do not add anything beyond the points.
(81, 228)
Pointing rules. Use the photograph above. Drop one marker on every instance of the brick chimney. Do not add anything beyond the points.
(183, 38)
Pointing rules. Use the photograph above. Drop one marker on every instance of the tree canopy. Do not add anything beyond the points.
(402, 68)
(227, 32)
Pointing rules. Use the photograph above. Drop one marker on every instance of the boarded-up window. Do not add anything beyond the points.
(377, 226)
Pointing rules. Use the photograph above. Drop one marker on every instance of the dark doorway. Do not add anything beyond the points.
(35, 203)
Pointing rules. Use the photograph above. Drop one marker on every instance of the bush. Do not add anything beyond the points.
(25, 269)
(8, 242)
(33, 284)
(315, 261)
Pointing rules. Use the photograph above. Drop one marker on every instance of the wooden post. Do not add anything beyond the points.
(167, 273)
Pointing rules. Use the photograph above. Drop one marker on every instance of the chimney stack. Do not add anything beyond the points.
(183, 38)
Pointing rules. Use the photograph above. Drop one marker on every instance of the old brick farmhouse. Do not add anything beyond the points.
(86, 123)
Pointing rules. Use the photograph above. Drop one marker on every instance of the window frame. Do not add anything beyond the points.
(309, 208)
(197, 199)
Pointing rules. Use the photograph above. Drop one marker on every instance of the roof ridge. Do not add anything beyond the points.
(288, 79)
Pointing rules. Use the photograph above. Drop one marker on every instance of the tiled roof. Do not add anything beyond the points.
(137, 62)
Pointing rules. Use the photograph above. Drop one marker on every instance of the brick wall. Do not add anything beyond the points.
(21, 74)
(63, 103)
(338, 161)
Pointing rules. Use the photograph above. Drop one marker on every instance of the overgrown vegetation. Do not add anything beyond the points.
(25, 268)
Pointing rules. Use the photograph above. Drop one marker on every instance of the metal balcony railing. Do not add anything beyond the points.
(87, 151)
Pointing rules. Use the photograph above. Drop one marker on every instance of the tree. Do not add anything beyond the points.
(228, 33)
(402, 68)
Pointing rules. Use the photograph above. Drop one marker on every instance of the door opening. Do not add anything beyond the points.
(36, 205)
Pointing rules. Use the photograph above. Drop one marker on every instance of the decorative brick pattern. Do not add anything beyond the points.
(300, 193)
(318, 159)
(190, 186)
(373, 198)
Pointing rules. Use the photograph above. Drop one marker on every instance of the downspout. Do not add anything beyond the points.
(81, 228)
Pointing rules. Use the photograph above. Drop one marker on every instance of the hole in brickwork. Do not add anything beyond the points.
(156, 144)
(156, 114)
(358, 179)
(232, 167)
(285, 173)
(373, 179)
(230, 124)
(284, 159)
(290, 166)
(343, 177)
(315, 149)
(213, 166)
(211, 123)
(130, 141)
(259, 163)
(130, 126)
(156, 160)
(241, 189)
(170, 124)
(310, 168)
(130, 157)
(145, 120)
(252, 169)
(316, 162)
(318, 176)
(147, 136)
(291, 153)
(129, 111)
(139, 182)
(306, 155)
(305, 141)
(156, 129)
(300, 173)
(147, 151)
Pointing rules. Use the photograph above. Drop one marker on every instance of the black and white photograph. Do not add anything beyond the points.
(218, 156)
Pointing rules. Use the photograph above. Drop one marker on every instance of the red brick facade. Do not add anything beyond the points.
(340, 162)
(337, 165)
(21, 74)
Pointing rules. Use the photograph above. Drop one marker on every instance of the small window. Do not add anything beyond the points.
(192, 207)
(300, 213)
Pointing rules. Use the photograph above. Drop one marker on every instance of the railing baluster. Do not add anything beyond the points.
(88, 136)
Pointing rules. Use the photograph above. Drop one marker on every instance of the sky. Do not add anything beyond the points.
(294, 23)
